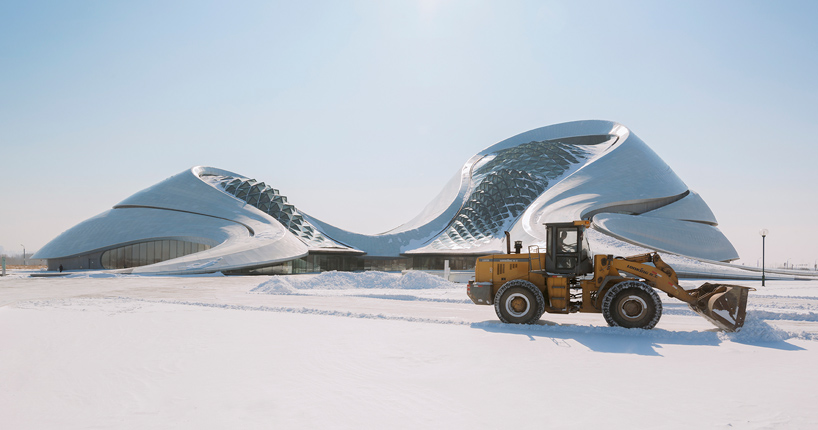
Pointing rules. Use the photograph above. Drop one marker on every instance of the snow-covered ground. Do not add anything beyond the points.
(375, 350)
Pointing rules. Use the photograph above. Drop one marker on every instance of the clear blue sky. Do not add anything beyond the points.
(361, 111)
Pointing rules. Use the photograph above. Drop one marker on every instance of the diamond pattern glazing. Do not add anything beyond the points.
(271, 202)
(506, 182)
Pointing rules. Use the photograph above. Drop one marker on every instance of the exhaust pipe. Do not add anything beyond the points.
(508, 242)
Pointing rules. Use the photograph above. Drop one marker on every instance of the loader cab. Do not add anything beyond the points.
(567, 248)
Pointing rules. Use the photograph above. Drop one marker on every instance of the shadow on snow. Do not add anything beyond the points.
(643, 342)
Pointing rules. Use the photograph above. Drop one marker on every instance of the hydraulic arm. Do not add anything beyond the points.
(722, 304)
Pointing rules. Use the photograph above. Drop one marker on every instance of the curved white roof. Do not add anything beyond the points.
(596, 170)
(183, 207)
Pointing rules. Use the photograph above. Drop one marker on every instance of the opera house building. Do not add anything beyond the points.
(210, 220)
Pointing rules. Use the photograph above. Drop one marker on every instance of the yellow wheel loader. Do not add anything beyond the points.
(566, 279)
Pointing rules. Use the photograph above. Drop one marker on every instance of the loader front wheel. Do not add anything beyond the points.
(632, 304)
(519, 302)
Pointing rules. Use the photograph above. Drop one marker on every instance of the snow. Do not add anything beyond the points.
(382, 350)
(412, 280)
(204, 264)
(725, 314)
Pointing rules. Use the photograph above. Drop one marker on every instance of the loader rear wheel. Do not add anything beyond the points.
(519, 302)
(632, 304)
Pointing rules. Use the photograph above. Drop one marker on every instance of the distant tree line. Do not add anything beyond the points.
(17, 260)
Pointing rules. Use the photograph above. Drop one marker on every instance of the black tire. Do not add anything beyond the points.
(519, 302)
(632, 304)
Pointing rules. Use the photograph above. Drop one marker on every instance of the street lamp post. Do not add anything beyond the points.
(763, 232)
(24, 254)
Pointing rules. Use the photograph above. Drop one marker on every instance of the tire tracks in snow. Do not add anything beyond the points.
(313, 311)
(755, 330)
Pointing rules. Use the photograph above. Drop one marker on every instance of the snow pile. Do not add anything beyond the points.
(756, 330)
(94, 275)
(275, 286)
(412, 280)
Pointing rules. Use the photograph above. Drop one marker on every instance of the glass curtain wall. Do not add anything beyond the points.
(437, 262)
(316, 263)
(144, 253)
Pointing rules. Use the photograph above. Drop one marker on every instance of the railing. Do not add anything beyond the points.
(534, 261)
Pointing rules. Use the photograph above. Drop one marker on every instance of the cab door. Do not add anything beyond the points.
(567, 248)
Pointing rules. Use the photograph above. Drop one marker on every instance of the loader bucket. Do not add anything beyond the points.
(722, 304)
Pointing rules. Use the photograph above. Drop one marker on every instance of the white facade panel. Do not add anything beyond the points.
(595, 170)
(679, 237)
(690, 208)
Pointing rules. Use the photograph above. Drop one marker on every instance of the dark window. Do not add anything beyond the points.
(144, 253)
